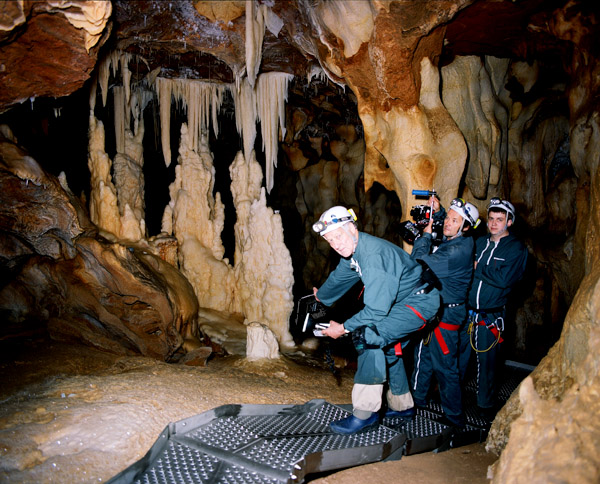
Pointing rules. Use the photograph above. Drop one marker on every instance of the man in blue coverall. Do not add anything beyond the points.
(398, 300)
(500, 261)
(452, 263)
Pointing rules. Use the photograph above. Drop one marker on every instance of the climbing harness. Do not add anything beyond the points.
(496, 327)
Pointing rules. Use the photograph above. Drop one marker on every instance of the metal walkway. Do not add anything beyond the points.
(242, 444)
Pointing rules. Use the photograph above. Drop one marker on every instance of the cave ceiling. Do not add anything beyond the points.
(44, 53)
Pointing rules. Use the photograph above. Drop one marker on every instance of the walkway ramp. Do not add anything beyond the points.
(283, 444)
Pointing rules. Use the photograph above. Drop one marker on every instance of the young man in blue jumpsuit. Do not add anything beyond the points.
(452, 263)
(500, 260)
(398, 300)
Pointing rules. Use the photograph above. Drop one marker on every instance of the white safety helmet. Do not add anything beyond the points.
(466, 210)
(503, 205)
(333, 218)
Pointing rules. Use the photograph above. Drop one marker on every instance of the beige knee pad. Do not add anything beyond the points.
(400, 402)
(366, 399)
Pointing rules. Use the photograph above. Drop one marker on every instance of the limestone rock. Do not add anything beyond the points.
(72, 36)
(37, 216)
(263, 265)
(120, 298)
(261, 343)
(197, 357)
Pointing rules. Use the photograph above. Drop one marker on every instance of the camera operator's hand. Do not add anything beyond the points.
(335, 330)
(434, 203)
(315, 293)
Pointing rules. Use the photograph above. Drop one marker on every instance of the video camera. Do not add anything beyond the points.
(311, 316)
(421, 214)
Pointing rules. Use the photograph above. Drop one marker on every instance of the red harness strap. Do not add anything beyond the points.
(440, 338)
(398, 347)
(493, 329)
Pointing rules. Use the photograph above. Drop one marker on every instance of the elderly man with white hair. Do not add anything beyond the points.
(399, 298)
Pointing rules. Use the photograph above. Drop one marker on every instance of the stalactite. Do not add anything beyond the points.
(317, 72)
(120, 117)
(124, 58)
(271, 97)
(202, 100)
(104, 69)
(245, 115)
(255, 32)
(163, 89)
(93, 94)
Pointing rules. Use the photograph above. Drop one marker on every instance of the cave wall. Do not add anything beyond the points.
(506, 106)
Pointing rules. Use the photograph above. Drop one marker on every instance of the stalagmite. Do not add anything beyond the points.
(103, 197)
(118, 207)
(196, 218)
(263, 265)
(260, 343)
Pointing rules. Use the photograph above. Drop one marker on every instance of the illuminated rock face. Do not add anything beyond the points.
(263, 266)
(469, 93)
(422, 145)
(121, 298)
(71, 31)
(196, 218)
(441, 91)
(552, 415)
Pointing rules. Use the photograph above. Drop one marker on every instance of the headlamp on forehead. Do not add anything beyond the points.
(333, 218)
(466, 210)
(499, 203)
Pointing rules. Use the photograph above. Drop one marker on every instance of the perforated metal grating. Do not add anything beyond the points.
(258, 444)
(249, 444)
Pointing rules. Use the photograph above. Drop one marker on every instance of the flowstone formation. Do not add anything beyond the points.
(259, 283)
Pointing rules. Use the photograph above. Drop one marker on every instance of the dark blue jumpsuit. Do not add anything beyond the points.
(452, 263)
(499, 266)
(392, 309)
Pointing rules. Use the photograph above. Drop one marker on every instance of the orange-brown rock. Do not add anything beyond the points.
(43, 53)
(120, 298)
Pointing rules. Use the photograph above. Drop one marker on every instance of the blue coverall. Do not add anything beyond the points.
(452, 263)
(499, 266)
(392, 309)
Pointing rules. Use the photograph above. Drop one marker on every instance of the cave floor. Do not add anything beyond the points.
(70, 413)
